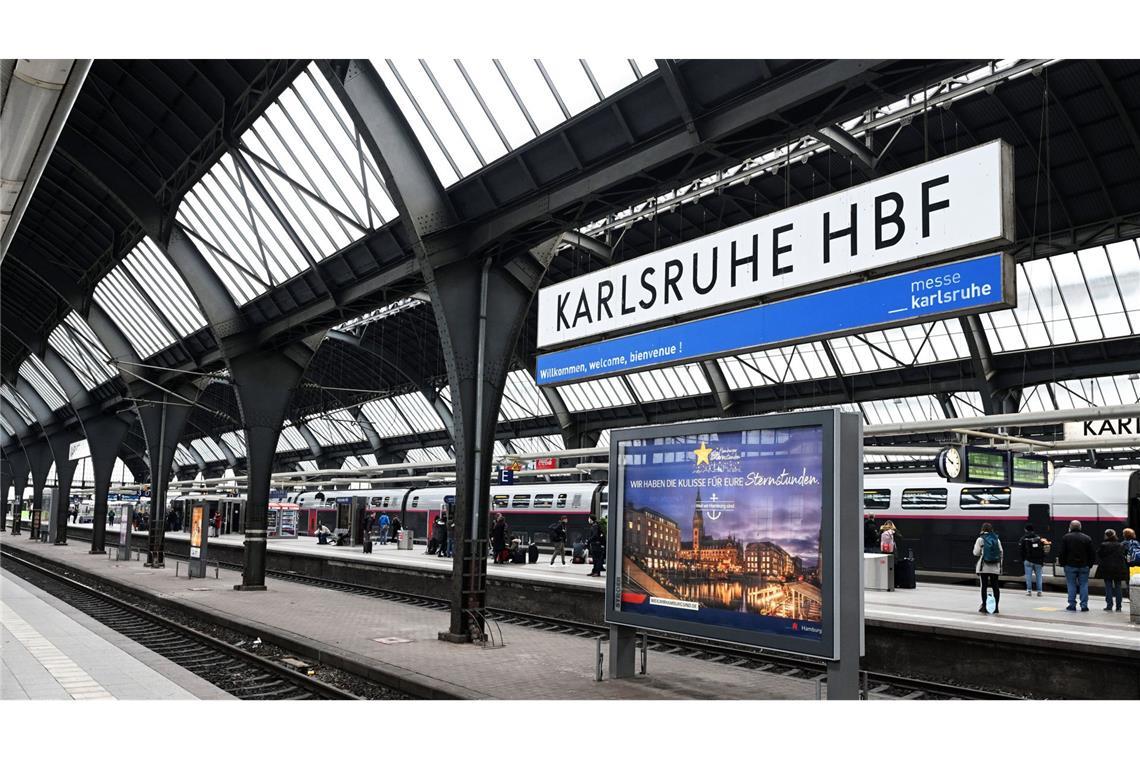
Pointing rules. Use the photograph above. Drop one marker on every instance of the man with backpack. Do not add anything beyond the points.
(597, 545)
(384, 523)
(558, 538)
(989, 553)
(1077, 557)
(1032, 548)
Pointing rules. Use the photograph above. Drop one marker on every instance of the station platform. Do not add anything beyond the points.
(402, 640)
(52, 651)
(934, 606)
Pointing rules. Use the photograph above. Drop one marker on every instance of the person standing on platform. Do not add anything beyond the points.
(1032, 548)
(439, 535)
(1077, 557)
(1112, 568)
(1131, 549)
(394, 527)
(384, 522)
(597, 546)
(110, 517)
(870, 535)
(989, 553)
(889, 538)
(558, 538)
(499, 538)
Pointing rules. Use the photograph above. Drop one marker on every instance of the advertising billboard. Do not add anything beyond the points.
(197, 515)
(727, 529)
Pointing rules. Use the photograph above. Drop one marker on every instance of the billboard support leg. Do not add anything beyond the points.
(623, 651)
(843, 678)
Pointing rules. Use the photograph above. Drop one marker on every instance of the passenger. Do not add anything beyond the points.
(499, 539)
(889, 537)
(989, 552)
(451, 534)
(384, 523)
(558, 538)
(439, 536)
(1032, 548)
(870, 535)
(1112, 568)
(1077, 557)
(110, 517)
(597, 545)
(394, 527)
(323, 534)
(1131, 549)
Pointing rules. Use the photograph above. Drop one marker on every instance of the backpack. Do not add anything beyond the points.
(1133, 551)
(887, 542)
(991, 548)
(1034, 549)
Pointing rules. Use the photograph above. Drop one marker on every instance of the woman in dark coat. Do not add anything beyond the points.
(1112, 568)
(499, 537)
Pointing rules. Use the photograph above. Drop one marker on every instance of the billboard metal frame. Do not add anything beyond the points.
(840, 547)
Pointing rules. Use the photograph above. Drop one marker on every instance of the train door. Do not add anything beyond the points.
(1133, 492)
(1040, 516)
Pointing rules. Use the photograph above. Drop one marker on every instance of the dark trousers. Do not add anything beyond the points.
(559, 551)
(990, 580)
(599, 559)
(1113, 589)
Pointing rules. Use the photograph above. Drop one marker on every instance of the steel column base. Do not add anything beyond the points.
(455, 638)
(249, 587)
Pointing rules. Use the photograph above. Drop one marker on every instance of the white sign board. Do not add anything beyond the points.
(1128, 427)
(959, 204)
(79, 450)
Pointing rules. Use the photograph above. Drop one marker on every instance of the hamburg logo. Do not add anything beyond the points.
(714, 507)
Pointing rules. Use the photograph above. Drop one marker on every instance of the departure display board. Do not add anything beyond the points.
(989, 466)
(1031, 471)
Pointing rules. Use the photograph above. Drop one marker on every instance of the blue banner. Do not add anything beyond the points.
(932, 293)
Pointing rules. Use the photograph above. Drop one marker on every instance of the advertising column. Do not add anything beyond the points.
(198, 541)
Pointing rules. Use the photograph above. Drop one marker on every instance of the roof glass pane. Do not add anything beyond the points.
(474, 119)
(120, 298)
(386, 418)
(357, 462)
(669, 382)
(432, 144)
(645, 66)
(82, 351)
(489, 84)
(1124, 258)
(1105, 294)
(44, 383)
(1096, 391)
(595, 394)
(306, 465)
(967, 404)
(773, 366)
(571, 83)
(183, 457)
(235, 439)
(6, 427)
(237, 233)
(158, 279)
(909, 409)
(418, 412)
(500, 451)
(208, 450)
(336, 428)
(604, 439)
(524, 75)
(16, 403)
(430, 454)
(1037, 398)
(611, 74)
(522, 398)
(537, 444)
(291, 439)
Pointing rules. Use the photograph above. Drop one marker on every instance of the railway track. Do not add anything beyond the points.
(234, 670)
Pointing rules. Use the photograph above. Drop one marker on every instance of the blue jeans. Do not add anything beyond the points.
(1113, 589)
(1077, 577)
(1031, 569)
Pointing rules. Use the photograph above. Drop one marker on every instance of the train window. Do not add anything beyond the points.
(499, 501)
(543, 500)
(561, 501)
(521, 501)
(924, 498)
(876, 498)
(984, 498)
(415, 501)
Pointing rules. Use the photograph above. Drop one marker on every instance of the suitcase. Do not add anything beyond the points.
(518, 557)
(905, 574)
(532, 554)
(367, 547)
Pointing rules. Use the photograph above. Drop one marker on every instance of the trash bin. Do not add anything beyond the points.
(404, 539)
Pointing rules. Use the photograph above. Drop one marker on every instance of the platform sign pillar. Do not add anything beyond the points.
(198, 540)
(843, 673)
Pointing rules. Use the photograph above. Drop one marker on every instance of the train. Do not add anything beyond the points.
(937, 521)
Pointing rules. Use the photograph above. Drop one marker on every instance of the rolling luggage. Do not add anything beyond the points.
(905, 573)
(518, 556)
(532, 554)
(367, 545)
(579, 555)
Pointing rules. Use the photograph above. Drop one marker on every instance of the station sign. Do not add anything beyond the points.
(940, 210)
(739, 530)
(506, 476)
(1107, 429)
(937, 292)
(79, 450)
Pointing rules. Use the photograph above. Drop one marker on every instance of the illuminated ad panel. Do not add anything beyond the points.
(720, 530)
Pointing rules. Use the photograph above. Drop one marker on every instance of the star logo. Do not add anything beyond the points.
(703, 453)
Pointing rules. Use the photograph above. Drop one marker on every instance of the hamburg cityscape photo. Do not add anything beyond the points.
(724, 529)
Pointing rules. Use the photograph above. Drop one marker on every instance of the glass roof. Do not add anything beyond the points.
(183, 457)
(669, 382)
(1093, 294)
(6, 427)
(44, 383)
(522, 399)
(899, 347)
(74, 341)
(120, 297)
(418, 413)
(468, 113)
(537, 444)
(164, 287)
(906, 409)
(1082, 394)
(335, 428)
(430, 454)
(788, 364)
(13, 399)
(355, 463)
(235, 440)
(307, 465)
(595, 394)
(208, 449)
(386, 418)
(290, 439)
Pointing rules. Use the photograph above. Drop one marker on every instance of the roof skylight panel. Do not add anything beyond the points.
(1050, 302)
(537, 444)
(17, 404)
(570, 83)
(595, 394)
(535, 95)
(119, 297)
(907, 409)
(243, 241)
(291, 439)
(418, 412)
(335, 428)
(1097, 391)
(208, 450)
(479, 129)
(669, 382)
(522, 399)
(82, 351)
(611, 74)
(6, 427)
(1070, 279)
(235, 439)
(430, 454)
(386, 418)
(1124, 258)
(644, 66)
(500, 450)
(1036, 399)
(1106, 293)
(154, 273)
(183, 457)
(967, 404)
(44, 383)
(307, 465)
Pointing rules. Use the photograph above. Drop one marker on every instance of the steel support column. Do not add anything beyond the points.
(104, 437)
(5, 484)
(60, 445)
(263, 383)
(163, 420)
(18, 465)
(39, 463)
